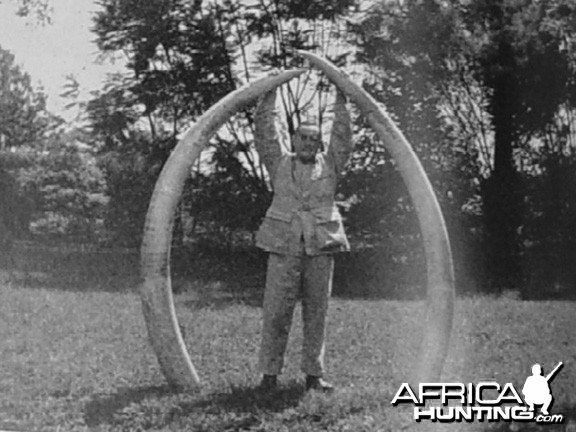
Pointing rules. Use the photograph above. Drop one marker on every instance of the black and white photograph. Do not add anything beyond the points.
(288, 215)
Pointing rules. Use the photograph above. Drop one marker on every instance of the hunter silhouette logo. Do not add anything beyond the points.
(483, 401)
(536, 389)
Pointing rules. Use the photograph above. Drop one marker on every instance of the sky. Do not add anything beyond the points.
(48, 53)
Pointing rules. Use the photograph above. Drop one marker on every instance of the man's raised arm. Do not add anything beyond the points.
(267, 138)
(340, 145)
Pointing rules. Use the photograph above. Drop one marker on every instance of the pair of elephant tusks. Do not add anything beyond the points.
(156, 289)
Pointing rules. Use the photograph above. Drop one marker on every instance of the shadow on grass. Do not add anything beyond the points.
(239, 276)
(221, 299)
(70, 268)
(251, 399)
(105, 409)
(102, 408)
(220, 277)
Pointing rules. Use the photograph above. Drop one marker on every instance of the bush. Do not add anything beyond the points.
(67, 190)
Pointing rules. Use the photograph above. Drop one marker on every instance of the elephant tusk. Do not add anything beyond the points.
(440, 293)
(156, 285)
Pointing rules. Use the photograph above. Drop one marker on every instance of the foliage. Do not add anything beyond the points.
(130, 159)
(549, 229)
(130, 177)
(48, 184)
(15, 206)
(66, 187)
(183, 57)
(413, 66)
(23, 116)
(470, 85)
(228, 197)
(525, 63)
(40, 10)
(484, 91)
(23, 122)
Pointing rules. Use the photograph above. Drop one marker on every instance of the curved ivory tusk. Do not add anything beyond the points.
(440, 307)
(156, 286)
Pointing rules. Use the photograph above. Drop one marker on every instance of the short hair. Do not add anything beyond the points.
(537, 369)
(311, 124)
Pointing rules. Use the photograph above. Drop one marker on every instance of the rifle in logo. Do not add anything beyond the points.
(559, 366)
(536, 389)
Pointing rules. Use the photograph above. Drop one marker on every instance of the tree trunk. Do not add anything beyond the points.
(501, 191)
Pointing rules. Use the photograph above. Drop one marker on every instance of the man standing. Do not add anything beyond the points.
(301, 231)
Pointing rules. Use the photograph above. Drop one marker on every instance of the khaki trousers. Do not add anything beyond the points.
(288, 279)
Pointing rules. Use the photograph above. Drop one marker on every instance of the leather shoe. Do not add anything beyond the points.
(318, 384)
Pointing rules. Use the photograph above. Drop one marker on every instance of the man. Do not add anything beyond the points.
(301, 231)
(536, 390)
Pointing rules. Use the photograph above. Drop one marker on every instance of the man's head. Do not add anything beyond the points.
(307, 142)
(536, 369)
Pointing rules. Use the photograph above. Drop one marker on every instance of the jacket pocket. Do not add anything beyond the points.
(330, 235)
(274, 234)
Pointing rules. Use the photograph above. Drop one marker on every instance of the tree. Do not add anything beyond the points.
(66, 188)
(40, 9)
(183, 57)
(23, 116)
(527, 72)
(23, 121)
(497, 70)
(15, 207)
(413, 65)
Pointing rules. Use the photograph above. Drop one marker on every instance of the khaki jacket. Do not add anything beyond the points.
(303, 217)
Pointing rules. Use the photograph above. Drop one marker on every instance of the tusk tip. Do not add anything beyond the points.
(296, 71)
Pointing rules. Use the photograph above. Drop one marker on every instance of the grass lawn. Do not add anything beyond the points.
(80, 360)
